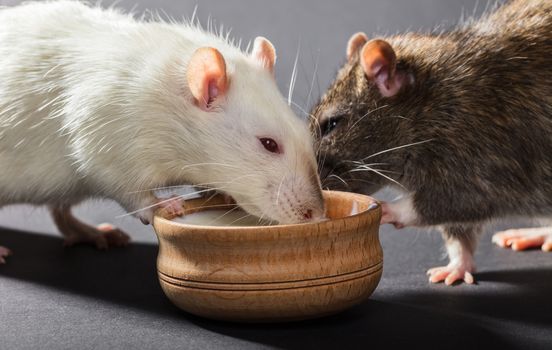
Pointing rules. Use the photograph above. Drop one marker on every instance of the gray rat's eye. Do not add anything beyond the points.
(270, 145)
(331, 123)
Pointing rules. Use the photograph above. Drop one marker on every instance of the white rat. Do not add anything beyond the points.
(94, 103)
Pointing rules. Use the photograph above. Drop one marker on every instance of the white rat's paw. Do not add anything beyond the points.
(4, 253)
(451, 273)
(525, 238)
(106, 236)
(173, 206)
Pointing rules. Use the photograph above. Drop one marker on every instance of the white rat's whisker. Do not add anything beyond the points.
(396, 148)
(293, 75)
(179, 186)
(223, 215)
(202, 164)
(302, 110)
(313, 78)
(150, 206)
(323, 162)
(261, 219)
(240, 218)
(279, 188)
(168, 200)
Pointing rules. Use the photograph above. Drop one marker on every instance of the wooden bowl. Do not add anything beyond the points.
(272, 273)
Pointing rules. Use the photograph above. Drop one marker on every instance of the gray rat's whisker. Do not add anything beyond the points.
(400, 117)
(382, 170)
(396, 148)
(339, 178)
(364, 116)
(361, 180)
(362, 163)
(379, 173)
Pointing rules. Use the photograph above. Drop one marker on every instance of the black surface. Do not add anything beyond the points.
(82, 298)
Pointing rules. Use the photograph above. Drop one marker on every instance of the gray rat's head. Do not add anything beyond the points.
(362, 116)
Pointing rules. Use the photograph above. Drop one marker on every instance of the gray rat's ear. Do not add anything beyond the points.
(206, 76)
(379, 62)
(354, 44)
(264, 53)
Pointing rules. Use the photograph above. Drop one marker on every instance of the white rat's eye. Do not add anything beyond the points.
(270, 145)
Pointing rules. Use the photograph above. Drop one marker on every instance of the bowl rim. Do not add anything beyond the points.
(159, 219)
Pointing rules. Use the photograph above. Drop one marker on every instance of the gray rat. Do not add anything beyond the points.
(95, 103)
(459, 121)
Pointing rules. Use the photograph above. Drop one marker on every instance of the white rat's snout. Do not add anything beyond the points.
(297, 199)
(291, 198)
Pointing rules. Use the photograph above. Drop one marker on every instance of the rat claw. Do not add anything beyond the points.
(450, 274)
(144, 220)
(468, 278)
(4, 253)
(522, 239)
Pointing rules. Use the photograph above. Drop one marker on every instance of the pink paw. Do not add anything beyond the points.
(107, 236)
(173, 206)
(450, 274)
(4, 253)
(389, 217)
(522, 239)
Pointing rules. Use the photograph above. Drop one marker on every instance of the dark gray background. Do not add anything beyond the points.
(53, 298)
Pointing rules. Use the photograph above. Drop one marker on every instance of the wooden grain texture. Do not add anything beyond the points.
(272, 273)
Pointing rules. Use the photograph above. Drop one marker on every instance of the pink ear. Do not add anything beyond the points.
(355, 43)
(378, 60)
(206, 76)
(264, 53)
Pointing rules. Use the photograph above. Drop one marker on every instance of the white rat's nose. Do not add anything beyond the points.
(313, 214)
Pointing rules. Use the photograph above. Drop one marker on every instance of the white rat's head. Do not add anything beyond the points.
(247, 141)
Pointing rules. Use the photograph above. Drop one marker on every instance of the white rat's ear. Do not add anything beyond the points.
(379, 62)
(206, 76)
(354, 44)
(264, 53)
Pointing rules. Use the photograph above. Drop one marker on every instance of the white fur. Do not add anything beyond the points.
(459, 254)
(95, 103)
(402, 212)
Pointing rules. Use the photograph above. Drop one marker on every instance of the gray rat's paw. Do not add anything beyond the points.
(400, 213)
(525, 238)
(4, 253)
(452, 273)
